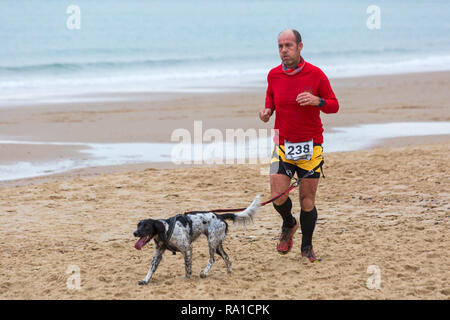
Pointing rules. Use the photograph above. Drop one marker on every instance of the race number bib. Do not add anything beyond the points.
(299, 150)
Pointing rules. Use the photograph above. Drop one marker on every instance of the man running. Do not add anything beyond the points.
(297, 91)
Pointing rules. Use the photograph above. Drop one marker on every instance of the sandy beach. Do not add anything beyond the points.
(387, 206)
(143, 117)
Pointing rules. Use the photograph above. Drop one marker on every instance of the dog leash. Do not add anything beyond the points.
(292, 186)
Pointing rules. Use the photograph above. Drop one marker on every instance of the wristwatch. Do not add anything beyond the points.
(321, 103)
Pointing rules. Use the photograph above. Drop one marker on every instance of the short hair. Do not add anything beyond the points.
(297, 35)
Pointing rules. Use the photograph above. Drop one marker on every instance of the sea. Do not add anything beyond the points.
(57, 50)
(63, 51)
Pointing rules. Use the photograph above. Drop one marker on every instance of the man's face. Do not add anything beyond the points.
(288, 49)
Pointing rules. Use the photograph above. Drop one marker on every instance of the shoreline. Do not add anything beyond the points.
(99, 97)
(118, 96)
(90, 172)
(152, 117)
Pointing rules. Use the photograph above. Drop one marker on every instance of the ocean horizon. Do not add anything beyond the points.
(158, 46)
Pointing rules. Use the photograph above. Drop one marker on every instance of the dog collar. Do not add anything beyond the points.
(163, 222)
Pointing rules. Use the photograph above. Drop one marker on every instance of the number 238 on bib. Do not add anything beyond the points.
(299, 150)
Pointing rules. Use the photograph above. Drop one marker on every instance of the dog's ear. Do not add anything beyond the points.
(160, 231)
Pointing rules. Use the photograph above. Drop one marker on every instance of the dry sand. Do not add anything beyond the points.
(383, 207)
(387, 207)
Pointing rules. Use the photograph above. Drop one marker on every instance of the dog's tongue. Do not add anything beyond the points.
(140, 243)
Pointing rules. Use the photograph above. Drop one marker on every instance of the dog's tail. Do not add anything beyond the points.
(244, 216)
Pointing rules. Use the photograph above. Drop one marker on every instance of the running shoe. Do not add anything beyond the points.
(286, 238)
(308, 252)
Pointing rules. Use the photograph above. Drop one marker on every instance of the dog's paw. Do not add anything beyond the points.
(142, 282)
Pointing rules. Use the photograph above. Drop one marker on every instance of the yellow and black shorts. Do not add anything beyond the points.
(280, 165)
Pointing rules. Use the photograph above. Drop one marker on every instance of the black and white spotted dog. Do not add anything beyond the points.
(179, 232)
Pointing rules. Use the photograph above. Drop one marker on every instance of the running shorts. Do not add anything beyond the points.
(280, 165)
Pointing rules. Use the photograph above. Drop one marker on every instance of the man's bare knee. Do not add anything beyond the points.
(280, 200)
(308, 191)
(278, 184)
(307, 204)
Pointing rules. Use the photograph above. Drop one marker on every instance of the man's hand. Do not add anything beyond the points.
(307, 99)
(265, 114)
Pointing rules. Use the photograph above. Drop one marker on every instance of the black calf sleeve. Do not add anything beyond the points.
(307, 224)
(285, 212)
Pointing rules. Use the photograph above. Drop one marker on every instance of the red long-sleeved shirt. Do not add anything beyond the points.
(296, 123)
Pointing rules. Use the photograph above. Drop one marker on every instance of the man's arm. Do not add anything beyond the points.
(270, 103)
(267, 112)
(327, 102)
